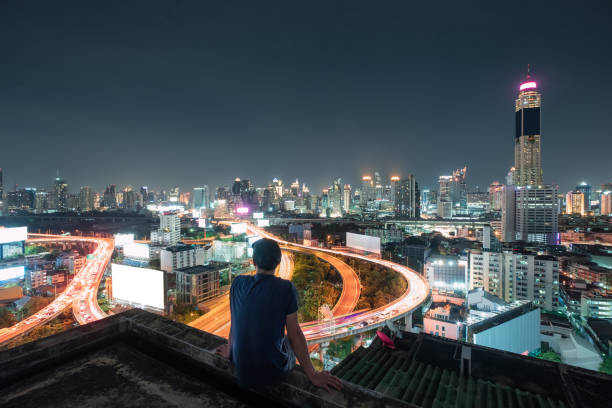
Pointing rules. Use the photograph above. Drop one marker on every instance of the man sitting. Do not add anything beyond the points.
(262, 306)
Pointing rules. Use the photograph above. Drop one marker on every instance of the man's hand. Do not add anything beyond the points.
(223, 351)
(325, 380)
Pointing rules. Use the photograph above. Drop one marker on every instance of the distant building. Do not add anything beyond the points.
(527, 150)
(447, 273)
(183, 256)
(200, 197)
(197, 284)
(585, 189)
(407, 198)
(60, 195)
(575, 203)
(605, 203)
(169, 232)
(386, 235)
(530, 213)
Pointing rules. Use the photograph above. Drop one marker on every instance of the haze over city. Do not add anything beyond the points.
(184, 93)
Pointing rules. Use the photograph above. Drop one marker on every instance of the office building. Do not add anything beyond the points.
(200, 197)
(605, 203)
(516, 276)
(169, 232)
(407, 198)
(335, 198)
(367, 190)
(447, 273)
(527, 140)
(495, 196)
(184, 256)
(60, 195)
(575, 203)
(346, 198)
(445, 203)
(109, 199)
(585, 189)
(537, 210)
(86, 199)
(23, 199)
(197, 284)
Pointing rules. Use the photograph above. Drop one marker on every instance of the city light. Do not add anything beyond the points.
(527, 85)
(242, 210)
(13, 234)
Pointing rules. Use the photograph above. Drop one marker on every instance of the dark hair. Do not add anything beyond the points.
(266, 254)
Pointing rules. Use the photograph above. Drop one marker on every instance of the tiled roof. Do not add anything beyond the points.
(424, 371)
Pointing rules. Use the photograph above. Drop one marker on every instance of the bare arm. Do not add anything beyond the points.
(300, 348)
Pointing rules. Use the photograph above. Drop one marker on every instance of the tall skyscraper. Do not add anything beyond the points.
(445, 203)
(110, 197)
(586, 190)
(60, 195)
(527, 143)
(458, 193)
(367, 190)
(1, 193)
(606, 203)
(575, 203)
(407, 198)
(335, 197)
(200, 197)
(346, 198)
(537, 214)
(86, 199)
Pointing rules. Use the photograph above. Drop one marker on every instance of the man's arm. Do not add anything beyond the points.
(300, 348)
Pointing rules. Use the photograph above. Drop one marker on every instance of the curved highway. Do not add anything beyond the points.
(415, 295)
(80, 294)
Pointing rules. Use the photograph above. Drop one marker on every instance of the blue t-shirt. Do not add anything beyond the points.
(260, 305)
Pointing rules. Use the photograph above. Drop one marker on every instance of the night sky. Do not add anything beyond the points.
(200, 92)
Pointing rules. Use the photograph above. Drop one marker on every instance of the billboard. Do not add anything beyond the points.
(138, 251)
(258, 215)
(13, 234)
(263, 223)
(363, 242)
(238, 228)
(242, 210)
(140, 286)
(202, 222)
(13, 272)
(195, 213)
(123, 239)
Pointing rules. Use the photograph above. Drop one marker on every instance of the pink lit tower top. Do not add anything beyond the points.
(527, 140)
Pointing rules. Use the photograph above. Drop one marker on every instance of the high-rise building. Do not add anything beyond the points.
(346, 198)
(527, 143)
(110, 197)
(22, 199)
(586, 190)
(516, 276)
(378, 187)
(459, 193)
(394, 187)
(367, 190)
(60, 195)
(169, 232)
(1, 193)
(335, 198)
(537, 214)
(445, 203)
(407, 198)
(605, 203)
(575, 203)
(86, 199)
(200, 197)
(41, 201)
(495, 196)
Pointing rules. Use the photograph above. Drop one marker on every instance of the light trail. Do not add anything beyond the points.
(81, 293)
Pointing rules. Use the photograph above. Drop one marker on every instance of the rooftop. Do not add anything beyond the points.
(424, 371)
(210, 267)
(179, 248)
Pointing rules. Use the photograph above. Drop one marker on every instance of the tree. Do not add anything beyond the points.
(550, 356)
(7, 319)
(606, 365)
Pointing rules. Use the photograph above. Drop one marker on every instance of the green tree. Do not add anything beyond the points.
(606, 365)
(7, 319)
(550, 356)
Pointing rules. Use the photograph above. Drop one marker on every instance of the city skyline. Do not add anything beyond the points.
(383, 95)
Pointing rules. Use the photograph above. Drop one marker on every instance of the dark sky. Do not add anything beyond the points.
(193, 92)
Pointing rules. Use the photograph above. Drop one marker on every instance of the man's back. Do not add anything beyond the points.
(259, 306)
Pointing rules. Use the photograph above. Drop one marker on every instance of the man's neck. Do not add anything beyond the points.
(264, 272)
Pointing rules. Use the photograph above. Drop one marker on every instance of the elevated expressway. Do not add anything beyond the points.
(81, 293)
(416, 294)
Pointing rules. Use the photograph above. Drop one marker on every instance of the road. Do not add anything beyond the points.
(81, 292)
(217, 320)
(415, 295)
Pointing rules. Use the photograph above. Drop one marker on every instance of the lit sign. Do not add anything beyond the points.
(195, 213)
(202, 222)
(242, 210)
(527, 85)
(15, 272)
(263, 223)
(258, 215)
(13, 234)
(138, 285)
(138, 251)
(123, 239)
(238, 228)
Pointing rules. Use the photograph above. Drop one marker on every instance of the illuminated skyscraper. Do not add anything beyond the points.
(407, 198)
(586, 190)
(200, 197)
(367, 190)
(60, 195)
(606, 203)
(575, 203)
(346, 198)
(527, 147)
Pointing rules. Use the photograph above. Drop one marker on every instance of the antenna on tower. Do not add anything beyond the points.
(528, 70)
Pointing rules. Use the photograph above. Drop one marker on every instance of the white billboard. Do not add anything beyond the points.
(13, 272)
(202, 222)
(258, 215)
(141, 286)
(263, 223)
(13, 234)
(123, 239)
(363, 242)
(238, 228)
(137, 251)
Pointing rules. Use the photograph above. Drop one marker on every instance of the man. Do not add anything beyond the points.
(262, 306)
